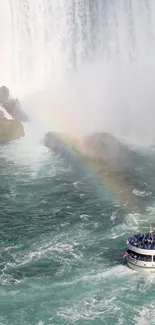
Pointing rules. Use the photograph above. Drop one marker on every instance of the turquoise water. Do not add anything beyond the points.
(62, 238)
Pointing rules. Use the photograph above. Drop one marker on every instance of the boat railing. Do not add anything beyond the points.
(140, 257)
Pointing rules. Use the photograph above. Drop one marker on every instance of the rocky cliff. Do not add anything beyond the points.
(11, 129)
(11, 105)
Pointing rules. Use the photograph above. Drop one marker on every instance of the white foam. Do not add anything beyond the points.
(89, 309)
(26, 151)
(85, 217)
(43, 251)
(131, 224)
(76, 184)
(141, 193)
(145, 315)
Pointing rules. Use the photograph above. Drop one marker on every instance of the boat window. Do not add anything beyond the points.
(154, 258)
(140, 257)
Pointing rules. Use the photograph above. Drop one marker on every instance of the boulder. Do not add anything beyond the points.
(52, 141)
(10, 129)
(56, 142)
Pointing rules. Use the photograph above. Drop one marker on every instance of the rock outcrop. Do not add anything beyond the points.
(10, 129)
(12, 106)
(52, 140)
(99, 147)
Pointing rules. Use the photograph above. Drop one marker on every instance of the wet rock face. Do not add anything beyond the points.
(50, 140)
(11, 105)
(60, 144)
(53, 141)
(10, 129)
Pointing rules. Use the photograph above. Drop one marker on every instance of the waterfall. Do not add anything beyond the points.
(48, 38)
(112, 41)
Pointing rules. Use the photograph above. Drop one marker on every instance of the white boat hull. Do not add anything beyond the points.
(140, 266)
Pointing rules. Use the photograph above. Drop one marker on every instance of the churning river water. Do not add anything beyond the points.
(62, 237)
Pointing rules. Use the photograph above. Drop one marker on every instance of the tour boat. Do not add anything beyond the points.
(140, 254)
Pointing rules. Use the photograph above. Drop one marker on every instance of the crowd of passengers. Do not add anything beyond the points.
(144, 241)
(145, 258)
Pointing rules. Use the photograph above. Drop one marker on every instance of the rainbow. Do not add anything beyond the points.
(118, 189)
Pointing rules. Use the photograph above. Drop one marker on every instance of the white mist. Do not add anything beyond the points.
(83, 66)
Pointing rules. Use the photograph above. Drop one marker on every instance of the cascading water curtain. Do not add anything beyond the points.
(50, 38)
